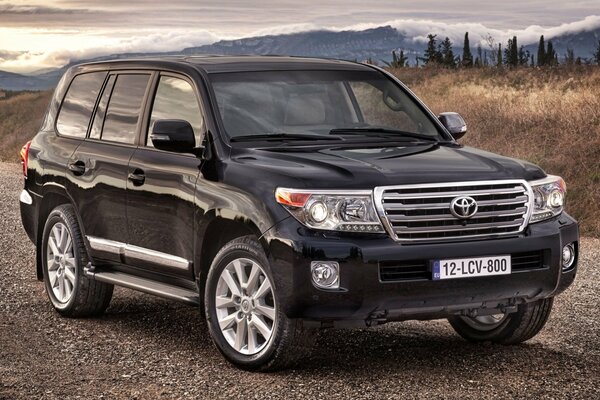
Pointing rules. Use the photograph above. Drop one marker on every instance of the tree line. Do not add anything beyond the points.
(441, 53)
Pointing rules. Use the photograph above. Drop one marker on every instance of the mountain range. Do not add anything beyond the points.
(376, 44)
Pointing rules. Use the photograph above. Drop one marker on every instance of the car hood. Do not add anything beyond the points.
(365, 168)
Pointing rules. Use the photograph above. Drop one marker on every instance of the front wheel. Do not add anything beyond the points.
(244, 311)
(512, 328)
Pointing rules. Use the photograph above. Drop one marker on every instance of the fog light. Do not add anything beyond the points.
(325, 274)
(568, 257)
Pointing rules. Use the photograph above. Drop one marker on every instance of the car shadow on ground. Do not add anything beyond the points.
(396, 348)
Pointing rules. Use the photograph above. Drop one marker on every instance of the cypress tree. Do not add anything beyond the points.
(431, 55)
(597, 53)
(514, 53)
(551, 58)
(507, 53)
(499, 57)
(467, 57)
(541, 53)
(523, 56)
(447, 54)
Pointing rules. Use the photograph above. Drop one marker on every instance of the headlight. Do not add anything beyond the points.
(351, 211)
(548, 197)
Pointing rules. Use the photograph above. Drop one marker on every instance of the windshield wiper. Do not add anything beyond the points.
(280, 136)
(384, 132)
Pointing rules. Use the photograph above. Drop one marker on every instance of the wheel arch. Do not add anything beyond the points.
(54, 195)
(217, 229)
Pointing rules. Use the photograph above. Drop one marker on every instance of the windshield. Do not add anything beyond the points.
(312, 104)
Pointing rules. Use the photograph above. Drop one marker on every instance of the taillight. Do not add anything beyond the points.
(24, 153)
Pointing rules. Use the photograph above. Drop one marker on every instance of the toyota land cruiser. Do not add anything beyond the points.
(284, 195)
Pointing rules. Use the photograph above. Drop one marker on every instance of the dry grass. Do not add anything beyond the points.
(20, 118)
(548, 117)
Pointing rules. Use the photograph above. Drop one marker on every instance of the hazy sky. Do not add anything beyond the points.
(45, 33)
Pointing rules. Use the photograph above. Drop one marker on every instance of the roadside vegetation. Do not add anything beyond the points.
(21, 115)
(547, 115)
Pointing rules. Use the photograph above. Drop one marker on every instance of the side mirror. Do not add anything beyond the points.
(174, 135)
(454, 123)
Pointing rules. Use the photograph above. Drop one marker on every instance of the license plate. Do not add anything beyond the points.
(471, 267)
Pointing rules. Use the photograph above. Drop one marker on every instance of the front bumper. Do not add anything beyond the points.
(363, 296)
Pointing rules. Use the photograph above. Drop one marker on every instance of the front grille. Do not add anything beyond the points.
(422, 212)
(396, 271)
(527, 261)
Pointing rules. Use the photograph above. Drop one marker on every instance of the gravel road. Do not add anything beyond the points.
(145, 347)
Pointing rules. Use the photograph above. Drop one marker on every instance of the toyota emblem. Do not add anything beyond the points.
(463, 207)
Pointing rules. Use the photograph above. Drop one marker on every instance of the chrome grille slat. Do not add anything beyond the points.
(499, 202)
(449, 217)
(471, 193)
(450, 228)
(422, 212)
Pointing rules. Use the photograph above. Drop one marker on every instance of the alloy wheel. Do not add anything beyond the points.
(245, 306)
(61, 262)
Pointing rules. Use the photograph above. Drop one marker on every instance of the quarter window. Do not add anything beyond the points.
(175, 99)
(74, 115)
(124, 107)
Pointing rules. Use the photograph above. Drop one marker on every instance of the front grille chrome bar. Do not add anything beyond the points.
(419, 213)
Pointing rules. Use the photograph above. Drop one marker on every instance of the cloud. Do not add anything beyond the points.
(9, 55)
(147, 42)
(41, 50)
(418, 29)
(27, 9)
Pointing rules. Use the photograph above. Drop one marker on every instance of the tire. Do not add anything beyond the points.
(63, 259)
(513, 328)
(289, 341)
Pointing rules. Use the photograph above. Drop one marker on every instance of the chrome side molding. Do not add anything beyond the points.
(138, 253)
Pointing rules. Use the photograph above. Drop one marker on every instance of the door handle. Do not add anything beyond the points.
(77, 167)
(137, 177)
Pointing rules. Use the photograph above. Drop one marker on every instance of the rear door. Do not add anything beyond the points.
(99, 165)
(160, 200)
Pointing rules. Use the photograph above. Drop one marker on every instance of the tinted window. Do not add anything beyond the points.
(124, 108)
(175, 99)
(316, 102)
(74, 116)
(101, 110)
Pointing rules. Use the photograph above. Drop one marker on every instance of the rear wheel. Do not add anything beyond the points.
(63, 258)
(511, 328)
(244, 311)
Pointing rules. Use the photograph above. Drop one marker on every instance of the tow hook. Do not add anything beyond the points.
(377, 318)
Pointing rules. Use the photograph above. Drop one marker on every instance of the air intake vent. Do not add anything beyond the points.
(397, 271)
(392, 271)
(527, 261)
(423, 212)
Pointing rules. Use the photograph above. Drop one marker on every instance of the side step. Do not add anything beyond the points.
(145, 285)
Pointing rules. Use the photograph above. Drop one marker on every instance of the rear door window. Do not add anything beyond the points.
(96, 130)
(78, 105)
(124, 108)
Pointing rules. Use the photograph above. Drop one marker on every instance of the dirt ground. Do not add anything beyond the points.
(147, 348)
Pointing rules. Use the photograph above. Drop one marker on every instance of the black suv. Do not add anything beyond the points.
(284, 195)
